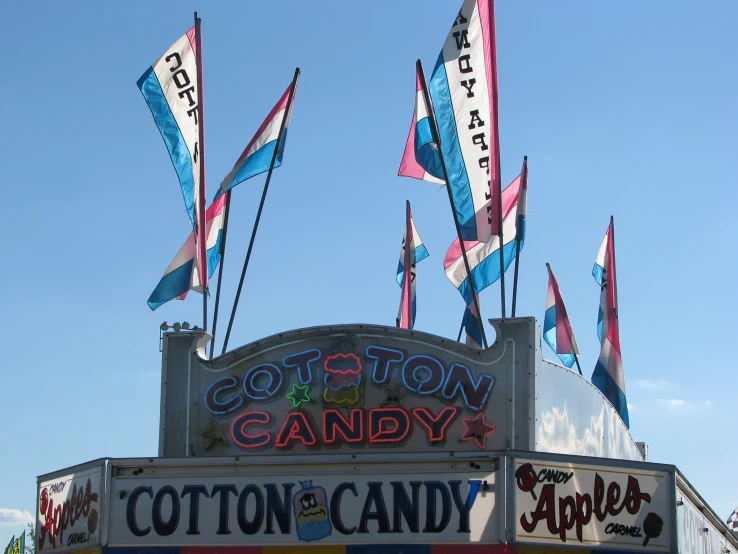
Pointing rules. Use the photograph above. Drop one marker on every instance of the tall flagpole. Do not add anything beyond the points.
(407, 271)
(518, 237)
(220, 273)
(261, 206)
(437, 140)
(496, 130)
(614, 277)
(201, 247)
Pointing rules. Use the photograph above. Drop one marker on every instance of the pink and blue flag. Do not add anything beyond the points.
(484, 257)
(257, 156)
(557, 331)
(463, 93)
(408, 259)
(421, 159)
(181, 275)
(421, 252)
(472, 326)
(170, 88)
(608, 375)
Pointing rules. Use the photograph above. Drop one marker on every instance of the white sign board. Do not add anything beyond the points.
(328, 506)
(69, 509)
(583, 505)
(696, 534)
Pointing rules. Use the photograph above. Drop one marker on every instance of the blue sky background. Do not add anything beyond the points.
(625, 108)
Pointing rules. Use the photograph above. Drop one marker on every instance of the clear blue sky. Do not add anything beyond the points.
(624, 108)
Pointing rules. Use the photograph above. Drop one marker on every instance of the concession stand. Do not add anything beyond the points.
(372, 439)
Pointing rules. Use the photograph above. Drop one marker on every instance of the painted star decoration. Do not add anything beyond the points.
(477, 429)
(213, 434)
(394, 394)
(299, 394)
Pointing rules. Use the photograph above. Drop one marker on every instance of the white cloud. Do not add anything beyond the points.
(652, 384)
(11, 516)
(630, 407)
(684, 406)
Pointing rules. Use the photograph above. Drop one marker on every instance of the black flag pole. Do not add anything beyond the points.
(220, 273)
(437, 140)
(519, 234)
(261, 206)
(201, 248)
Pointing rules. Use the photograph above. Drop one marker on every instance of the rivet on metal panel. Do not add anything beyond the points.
(485, 486)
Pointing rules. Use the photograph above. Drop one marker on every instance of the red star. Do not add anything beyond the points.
(477, 429)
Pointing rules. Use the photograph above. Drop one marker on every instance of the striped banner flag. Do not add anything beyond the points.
(557, 331)
(180, 276)
(421, 159)
(411, 253)
(170, 88)
(608, 374)
(484, 257)
(463, 92)
(258, 154)
(472, 325)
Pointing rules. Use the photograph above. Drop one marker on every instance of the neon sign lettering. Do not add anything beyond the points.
(331, 400)
(334, 424)
(253, 382)
(375, 426)
(213, 394)
(301, 361)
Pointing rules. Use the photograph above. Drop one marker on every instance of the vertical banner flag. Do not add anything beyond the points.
(557, 331)
(421, 252)
(472, 326)
(257, 156)
(170, 90)
(461, 90)
(9, 548)
(484, 257)
(181, 275)
(421, 159)
(412, 252)
(608, 375)
(19, 546)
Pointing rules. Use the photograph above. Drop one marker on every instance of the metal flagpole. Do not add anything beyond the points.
(496, 130)
(614, 278)
(408, 270)
(523, 181)
(201, 248)
(437, 140)
(261, 206)
(461, 328)
(220, 273)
